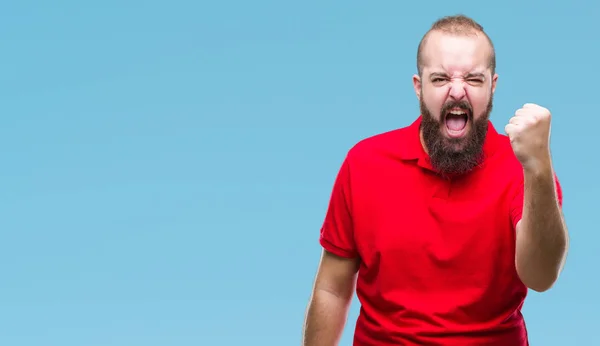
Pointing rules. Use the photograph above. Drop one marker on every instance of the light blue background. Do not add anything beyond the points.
(166, 166)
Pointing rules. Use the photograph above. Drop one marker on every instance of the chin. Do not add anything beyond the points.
(455, 145)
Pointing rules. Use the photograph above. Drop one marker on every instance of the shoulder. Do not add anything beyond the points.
(385, 145)
(508, 166)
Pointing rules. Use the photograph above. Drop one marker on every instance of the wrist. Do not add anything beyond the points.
(539, 168)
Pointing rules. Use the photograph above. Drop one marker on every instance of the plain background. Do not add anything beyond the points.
(166, 166)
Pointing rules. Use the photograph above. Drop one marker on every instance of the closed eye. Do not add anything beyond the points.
(475, 80)
(438, 79)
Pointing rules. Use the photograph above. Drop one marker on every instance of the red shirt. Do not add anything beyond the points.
(437, 255)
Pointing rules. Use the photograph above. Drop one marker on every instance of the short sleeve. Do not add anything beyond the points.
(516, 208)
(337, 234)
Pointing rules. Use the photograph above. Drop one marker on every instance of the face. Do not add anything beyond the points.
(455, 94)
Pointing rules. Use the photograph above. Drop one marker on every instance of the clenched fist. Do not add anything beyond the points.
(529, 133)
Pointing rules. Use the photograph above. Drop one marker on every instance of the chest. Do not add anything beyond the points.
(416, 225)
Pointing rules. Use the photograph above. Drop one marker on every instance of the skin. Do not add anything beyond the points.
(542, 236)
(456, 69)
(330, 301)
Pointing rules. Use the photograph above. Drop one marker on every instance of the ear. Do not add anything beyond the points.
(494, 81)
(417, 85)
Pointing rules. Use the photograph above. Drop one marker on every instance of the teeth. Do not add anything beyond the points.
(458, 112)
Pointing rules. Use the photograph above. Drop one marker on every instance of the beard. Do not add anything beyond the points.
(454, 156)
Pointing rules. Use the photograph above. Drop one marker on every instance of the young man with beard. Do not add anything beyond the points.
(443, 225)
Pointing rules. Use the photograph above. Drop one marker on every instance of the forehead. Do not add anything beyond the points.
(456, 53)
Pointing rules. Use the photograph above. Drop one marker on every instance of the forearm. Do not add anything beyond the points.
(542, 238)
(325, 319)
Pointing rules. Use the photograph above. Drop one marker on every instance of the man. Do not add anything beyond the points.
(443, 225)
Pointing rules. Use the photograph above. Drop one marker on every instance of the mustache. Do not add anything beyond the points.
(464, 105)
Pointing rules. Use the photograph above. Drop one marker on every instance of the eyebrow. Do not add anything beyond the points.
(468, 75)
(475, 74)
(438, 74)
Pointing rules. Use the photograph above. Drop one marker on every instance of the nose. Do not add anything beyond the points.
(457, 90)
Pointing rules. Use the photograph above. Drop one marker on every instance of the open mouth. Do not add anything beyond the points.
(456, 122)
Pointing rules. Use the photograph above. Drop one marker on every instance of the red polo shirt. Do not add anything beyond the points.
(437, 255)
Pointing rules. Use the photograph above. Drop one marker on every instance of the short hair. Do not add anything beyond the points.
(455, 25)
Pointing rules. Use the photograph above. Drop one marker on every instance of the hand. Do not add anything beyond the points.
(529, 133)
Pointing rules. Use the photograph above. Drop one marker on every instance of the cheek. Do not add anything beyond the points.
(434, 101)
(479, 100)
